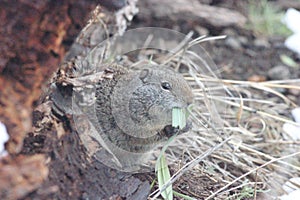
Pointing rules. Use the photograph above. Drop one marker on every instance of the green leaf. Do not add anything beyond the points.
(288, 61)
(179, 116)
(163, 176)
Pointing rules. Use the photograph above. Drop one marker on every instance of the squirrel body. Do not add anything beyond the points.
(132, 110)
(135, 110)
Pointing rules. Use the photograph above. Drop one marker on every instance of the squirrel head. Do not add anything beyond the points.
(143, 100)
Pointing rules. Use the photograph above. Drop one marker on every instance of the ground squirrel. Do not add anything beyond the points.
(132, 109)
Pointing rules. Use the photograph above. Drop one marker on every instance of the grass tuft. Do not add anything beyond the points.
(236, 144)
(266, 19)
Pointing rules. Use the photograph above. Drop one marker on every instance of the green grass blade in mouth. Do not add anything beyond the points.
(179, 116)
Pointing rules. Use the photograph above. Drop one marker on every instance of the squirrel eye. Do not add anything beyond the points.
(166, 85)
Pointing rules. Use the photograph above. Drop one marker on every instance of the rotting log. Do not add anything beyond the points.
(191, 11)
(51, 162)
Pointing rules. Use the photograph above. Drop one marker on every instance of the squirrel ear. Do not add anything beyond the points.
(144, 75)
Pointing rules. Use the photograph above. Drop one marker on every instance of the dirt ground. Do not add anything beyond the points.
(35, 37)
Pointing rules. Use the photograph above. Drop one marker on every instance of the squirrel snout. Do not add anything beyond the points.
(189, 101)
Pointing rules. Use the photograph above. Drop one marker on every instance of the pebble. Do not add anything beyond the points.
(279, 72)
(243, 40)
(261, 42)
(295, 92)
(257, 78)
(201, 30)
(229, 32)
(233, 42)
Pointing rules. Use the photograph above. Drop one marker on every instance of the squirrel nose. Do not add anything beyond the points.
(188, 100)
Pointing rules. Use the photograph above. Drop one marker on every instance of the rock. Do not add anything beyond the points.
(243, 40)
(279, 72)
(229, 32)
(257, 78)
(261, 42)
(233, 42)
(201, 30)
(295, 91)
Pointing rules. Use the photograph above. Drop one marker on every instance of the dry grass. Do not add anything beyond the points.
(237, 137)
(236, 148)
(258, 154)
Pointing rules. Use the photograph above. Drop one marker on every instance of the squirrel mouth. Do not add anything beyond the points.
(180, 123)
(170, 130)
(179, 117)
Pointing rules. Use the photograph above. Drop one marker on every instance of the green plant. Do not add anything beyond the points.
(265, 19)
(247, 192)
(163, 176)
(179, 117)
